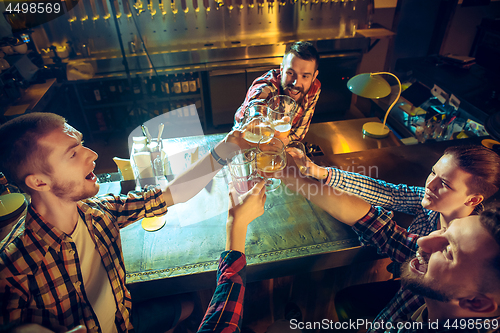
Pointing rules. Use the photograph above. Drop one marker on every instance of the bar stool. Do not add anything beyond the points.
(12, 207)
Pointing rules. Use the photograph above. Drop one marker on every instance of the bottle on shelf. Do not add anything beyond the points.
(177, 85)
(165, 85)
(185, 84)
(136, 87)
(113, 91)
(192, 83)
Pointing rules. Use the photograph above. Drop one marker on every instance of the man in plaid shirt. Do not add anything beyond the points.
(455, 269)
(295, 78)
(458, 183)
(62, 266)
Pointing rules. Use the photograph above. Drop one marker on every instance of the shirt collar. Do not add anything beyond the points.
(46, 232)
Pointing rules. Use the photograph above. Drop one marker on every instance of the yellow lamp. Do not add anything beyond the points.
(369, 85)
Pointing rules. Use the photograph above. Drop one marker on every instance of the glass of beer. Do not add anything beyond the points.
(256, 126)
(282, 110)
(243, 168)
(271, 157)
(297, 150)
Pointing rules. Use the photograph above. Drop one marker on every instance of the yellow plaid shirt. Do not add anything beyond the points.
(40, 276)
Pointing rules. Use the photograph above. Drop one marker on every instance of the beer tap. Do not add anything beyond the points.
(314, 2)
(117, 8)
(219, 3)
(95, 14)
(162, 8)
(152, 9)
(139, 6)
(260, 6)
(174, 8)
(304, 3)
(206, 4)
(83, 13)
(72, 16)
(239, 4)
(270, 6)
(184, 7)
(105, 10)
(282, 3)
(126, 9)
(196, 8)
(229, 6)
(250, 4)
(293, 2)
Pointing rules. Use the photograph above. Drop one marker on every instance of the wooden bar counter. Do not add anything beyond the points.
(292, 236)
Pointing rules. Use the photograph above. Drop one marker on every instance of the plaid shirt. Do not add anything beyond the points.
(401, 198)
(272, 81)
(40, 276)
(225, 311)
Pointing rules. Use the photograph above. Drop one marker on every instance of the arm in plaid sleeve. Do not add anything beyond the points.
(262, 88)
(128, 209)
(299, 130)
(401, 198)
(378, 229)
(226, 307)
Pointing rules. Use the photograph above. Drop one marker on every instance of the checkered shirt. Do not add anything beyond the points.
(225, 311)
(40, 276)
(272, 81)
(401, 198)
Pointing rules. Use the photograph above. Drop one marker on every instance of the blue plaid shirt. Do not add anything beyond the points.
(400, 198)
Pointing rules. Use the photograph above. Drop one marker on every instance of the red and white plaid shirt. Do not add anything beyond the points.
(272, 81)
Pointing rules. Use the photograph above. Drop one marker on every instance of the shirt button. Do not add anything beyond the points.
(71, 252)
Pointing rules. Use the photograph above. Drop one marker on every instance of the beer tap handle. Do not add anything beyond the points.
(184, 7)
(162, 8)
(195, 7)
(229, 5)
(83, 13)
(95, 14)
(139, 7)
(173, 7)
(270, 6)
(206, 4)
(126, 9)
(260, 6)
(117, 8)
(151, 8)
(239, 4)
(105, 10)
(219, 3)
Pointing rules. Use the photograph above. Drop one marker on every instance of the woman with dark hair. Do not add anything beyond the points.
(456, 187)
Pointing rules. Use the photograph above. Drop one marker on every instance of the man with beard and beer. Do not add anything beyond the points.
(62, 264)
(458, 184)
(297, 78)
(456, 268)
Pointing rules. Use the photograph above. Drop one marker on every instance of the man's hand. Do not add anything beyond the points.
(309, 168)
(243, 209)
(236, 137)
